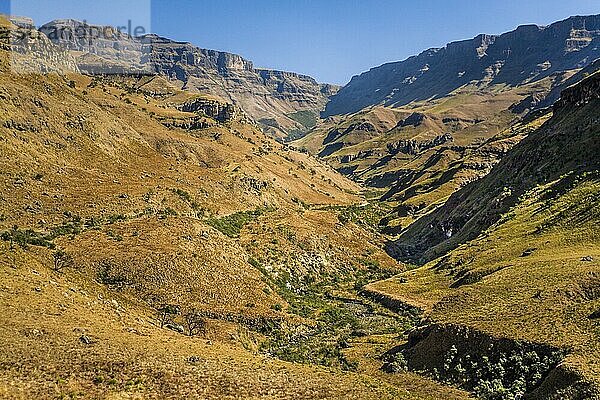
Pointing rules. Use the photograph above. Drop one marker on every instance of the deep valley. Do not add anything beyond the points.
(178, 223)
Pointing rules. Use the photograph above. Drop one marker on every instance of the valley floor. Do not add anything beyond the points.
(64, 336)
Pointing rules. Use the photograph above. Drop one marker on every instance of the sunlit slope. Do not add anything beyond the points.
(519, 255)
(564, 148)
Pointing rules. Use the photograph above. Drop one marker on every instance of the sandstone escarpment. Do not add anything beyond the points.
(33, 52)
(266, 95)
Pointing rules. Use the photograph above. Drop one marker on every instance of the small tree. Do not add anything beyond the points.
(195, 322)
(166, 314)
(62, 260)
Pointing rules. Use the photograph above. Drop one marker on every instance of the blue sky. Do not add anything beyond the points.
(331, 40)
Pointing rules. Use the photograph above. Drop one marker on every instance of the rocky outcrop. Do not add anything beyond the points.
(286, 83)
(348, 158)
(188, 124)
(414, 147)
(208, 113)
(487, 365)
(414, 119)
(524, 55)
(581, 94)
(221, 112)
(393, 304)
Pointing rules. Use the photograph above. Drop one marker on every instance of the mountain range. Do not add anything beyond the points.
(284, 103)
(527, 54)
(420, 129)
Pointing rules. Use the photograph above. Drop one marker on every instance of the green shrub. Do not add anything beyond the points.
(62, 260)
(25, 238)
(112, 219)
(231, 225)
(398, 363)
(166, 212)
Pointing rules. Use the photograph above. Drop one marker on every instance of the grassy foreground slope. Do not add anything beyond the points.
(65, 336)
(513, 271)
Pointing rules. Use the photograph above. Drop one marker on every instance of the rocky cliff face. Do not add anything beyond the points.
(221, 112)
(527, 54)
(581, 94)
(31, 51)
(270, 97)
(179, 59)
(105, 50)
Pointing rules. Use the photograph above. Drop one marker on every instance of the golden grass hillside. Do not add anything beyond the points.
(380, 145)
(64, 336)
(156, 244)
(86, 166)
(532, 277)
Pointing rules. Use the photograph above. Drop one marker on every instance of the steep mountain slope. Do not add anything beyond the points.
(556, 92)
(567, 144)
(511, 292)
(277, 99)
(527, 54)
(102, 153)
(422, 153)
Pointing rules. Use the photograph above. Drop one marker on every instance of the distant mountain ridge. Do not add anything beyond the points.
(526, 54)
(269, 96)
